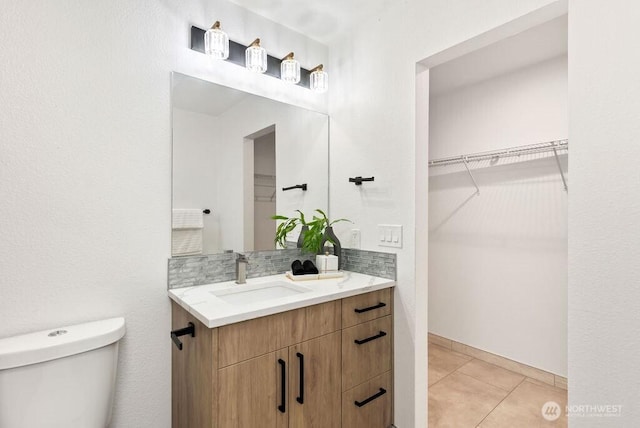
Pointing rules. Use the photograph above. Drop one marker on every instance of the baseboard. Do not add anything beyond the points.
(497, 360)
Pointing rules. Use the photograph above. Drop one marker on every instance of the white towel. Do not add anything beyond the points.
(186, 242)
(187, 219)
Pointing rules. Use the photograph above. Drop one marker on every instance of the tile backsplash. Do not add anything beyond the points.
(370, 262)
(208, 269)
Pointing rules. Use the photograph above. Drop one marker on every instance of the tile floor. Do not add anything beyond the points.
(466, 392)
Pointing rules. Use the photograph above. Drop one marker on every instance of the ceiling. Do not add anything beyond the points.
(530, 47)
(320, 20)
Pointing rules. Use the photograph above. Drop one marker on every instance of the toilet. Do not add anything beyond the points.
(61, 378)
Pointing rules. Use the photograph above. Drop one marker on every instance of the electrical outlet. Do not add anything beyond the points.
(355, 238)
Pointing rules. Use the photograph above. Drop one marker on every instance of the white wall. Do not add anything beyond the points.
(85, 171)
(301, 155)
(498, 261)
(604, 208)
(196, 172)
(373, 132)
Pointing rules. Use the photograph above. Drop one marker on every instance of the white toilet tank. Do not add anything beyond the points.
(62, 378)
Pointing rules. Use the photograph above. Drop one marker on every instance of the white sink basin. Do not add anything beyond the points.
(252, 293)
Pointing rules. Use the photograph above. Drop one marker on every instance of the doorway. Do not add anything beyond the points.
(259, 174)
(492, 135)
(264, 193)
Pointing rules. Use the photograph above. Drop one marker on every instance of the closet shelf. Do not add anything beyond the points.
(550, 146)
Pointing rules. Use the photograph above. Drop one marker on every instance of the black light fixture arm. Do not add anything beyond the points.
(359, 180)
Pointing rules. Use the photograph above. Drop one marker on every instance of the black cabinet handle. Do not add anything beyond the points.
(283, 384)
(369, 339)
(370, 399)
(300, 397)
(370, 308)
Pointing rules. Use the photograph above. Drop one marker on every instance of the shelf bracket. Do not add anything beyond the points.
(466, 165)
(564, 180)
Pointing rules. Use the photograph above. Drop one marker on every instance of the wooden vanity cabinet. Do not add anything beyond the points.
(284, 370)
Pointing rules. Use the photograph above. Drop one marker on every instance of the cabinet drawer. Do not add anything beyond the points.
(366, 351)
(366, 307)
(368, 405)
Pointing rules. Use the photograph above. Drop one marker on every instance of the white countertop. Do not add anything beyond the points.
(212, 311)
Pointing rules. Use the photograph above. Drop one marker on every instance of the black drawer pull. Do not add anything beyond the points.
(370, 399)
(370, 308)
(283, 375)
(300, 397)
(369, 339)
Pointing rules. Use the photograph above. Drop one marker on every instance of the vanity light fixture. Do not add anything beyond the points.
(216, 42)
(319, 79)
(290, 69)
(256, 57)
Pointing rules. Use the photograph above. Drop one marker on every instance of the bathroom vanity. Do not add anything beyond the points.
(321, 357)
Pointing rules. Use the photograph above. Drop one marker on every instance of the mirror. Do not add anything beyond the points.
(233, 153)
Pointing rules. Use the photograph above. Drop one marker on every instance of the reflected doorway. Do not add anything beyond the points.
(260, 190)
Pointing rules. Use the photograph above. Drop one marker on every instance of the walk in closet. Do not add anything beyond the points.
(498, 184)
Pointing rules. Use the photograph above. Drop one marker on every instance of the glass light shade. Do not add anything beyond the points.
(256, 59)
(216, 43)
(319, 81)
(290, 71)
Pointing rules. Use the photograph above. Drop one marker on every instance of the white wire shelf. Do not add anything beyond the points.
(550, 146)
(546, 147)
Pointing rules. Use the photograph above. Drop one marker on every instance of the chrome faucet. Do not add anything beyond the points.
(241, 269)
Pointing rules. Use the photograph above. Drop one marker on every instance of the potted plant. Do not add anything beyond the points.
(318, 231)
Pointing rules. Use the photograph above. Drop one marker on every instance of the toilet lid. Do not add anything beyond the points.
(59, 342)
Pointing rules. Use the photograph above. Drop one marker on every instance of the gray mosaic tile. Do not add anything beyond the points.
(199, 270)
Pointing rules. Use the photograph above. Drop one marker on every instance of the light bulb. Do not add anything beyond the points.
(319, 80)
(290, 69)
(216, 42)
(256, 57)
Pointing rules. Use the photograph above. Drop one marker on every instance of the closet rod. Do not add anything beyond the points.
(551, 146)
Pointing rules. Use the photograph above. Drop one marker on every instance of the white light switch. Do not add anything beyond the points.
(390, 235)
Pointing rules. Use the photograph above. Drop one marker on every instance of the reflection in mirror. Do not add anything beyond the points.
(233, 153)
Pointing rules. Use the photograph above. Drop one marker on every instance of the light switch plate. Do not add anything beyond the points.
(390, 235)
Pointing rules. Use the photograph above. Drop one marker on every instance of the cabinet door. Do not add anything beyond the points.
(249, 393)
(315, 386)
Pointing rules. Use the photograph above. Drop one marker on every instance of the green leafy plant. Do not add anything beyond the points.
(286, 227)
(313, 237)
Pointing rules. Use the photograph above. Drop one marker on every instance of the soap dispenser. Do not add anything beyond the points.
(330, 236)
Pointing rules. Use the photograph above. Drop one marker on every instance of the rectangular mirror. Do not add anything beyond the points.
(233, 153)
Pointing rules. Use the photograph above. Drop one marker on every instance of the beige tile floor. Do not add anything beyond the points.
(466, 392)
